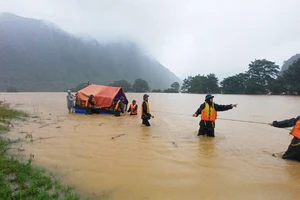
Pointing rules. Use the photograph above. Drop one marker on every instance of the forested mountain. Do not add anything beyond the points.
(289, 62)
(37, 56)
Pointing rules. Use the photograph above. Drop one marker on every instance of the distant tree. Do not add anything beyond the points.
(175, 86)
(123, 84)
(201, 84)
(196, 85)
(212, 83)
(262, 74)
(279, 85)
(140, 85)
(173, 89)
(186, 86)
(170, 90)
(156, 90)
(234, 84)
(78, 87)
(12, 89)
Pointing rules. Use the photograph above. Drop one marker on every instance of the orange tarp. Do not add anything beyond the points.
(104, 95)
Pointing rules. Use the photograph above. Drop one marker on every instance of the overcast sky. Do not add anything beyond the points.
(189, 36)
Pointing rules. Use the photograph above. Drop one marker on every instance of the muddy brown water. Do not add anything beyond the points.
(166, 160)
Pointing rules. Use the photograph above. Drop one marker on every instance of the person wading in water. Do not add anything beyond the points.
(293, 151)
(119, 107)
(146, 116)
(90, 105)
(133, 108)
(208, 111)
(70, 101)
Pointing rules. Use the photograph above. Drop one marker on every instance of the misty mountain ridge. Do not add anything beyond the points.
(38, 56)
(290, 61)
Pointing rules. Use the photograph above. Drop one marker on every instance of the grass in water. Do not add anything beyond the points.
(20, 180)
(24, 181)
(7, 115)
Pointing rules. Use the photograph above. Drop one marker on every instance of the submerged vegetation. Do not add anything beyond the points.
(19, 180)
(7, 115)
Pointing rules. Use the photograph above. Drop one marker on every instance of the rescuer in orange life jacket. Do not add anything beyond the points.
(293, 151)
(133, 108)
(208, 111)
(119, 107)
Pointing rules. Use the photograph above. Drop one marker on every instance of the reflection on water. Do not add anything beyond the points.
(167, 160)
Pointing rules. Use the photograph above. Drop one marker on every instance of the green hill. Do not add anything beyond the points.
(37, 56)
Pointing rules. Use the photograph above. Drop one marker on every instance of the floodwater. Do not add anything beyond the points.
(119, 158)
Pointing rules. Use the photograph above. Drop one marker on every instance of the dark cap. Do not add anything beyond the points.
(145, 96)
(209, 96)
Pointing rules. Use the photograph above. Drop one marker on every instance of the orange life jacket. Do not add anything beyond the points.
(148, 108)
(209, 113)
(296, 130)
(88, 105)
(117, 107)
(132, 111)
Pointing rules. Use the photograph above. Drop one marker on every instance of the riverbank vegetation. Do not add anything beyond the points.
(21, 180)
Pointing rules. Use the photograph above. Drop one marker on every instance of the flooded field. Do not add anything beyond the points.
(119, 158)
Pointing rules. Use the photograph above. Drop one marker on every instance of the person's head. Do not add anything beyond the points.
(69, 91)
(91, 96)
(209, 98)
(145, 97)
(122, 99)
(133, 102)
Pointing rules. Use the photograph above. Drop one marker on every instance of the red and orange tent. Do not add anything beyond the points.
(104, 95)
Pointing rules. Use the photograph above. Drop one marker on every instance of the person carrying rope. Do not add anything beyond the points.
(208, 111)
(293, 151)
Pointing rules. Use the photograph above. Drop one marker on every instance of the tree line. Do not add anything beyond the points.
(262, 77)
(139, 85)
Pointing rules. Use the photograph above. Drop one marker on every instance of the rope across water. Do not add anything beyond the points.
(220, 118)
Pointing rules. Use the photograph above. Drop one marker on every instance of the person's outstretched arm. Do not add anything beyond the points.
(285, 123)
(224, 107)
